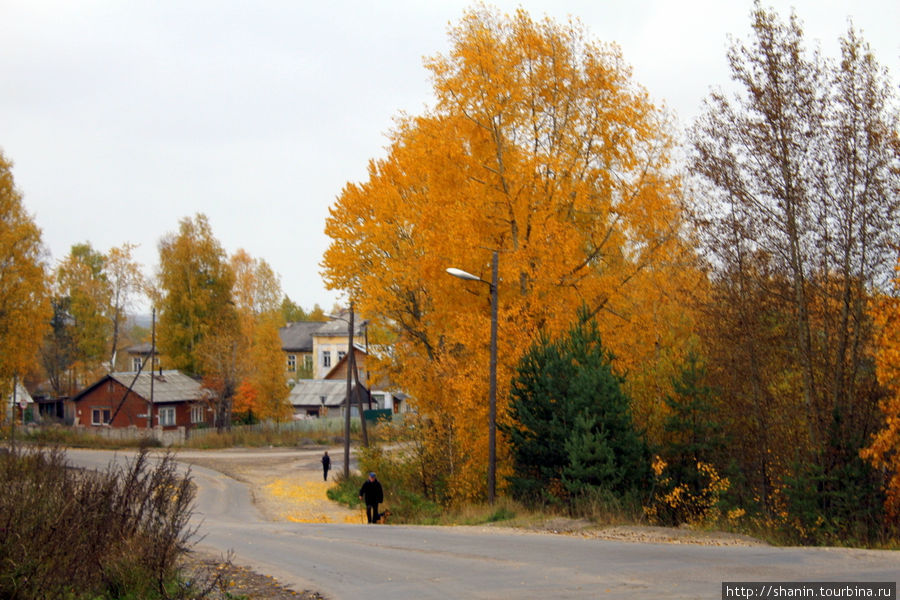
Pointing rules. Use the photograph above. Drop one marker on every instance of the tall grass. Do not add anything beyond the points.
(79, 535)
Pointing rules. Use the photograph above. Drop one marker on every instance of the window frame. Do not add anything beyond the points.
(103, 413)
(168, 411)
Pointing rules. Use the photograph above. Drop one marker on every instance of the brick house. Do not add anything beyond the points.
(123, 399)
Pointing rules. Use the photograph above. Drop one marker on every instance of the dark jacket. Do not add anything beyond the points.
(372, 492)
(326, 461)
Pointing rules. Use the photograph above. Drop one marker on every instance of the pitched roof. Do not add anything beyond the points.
(168, 386)
(339, 326)
(297, 336)
(21, 395)
(142, 348)
(360, 350)
(309, 392)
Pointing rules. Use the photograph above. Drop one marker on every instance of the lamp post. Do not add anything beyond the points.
(492, 393)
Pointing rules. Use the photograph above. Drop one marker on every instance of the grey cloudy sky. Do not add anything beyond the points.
(122, 117)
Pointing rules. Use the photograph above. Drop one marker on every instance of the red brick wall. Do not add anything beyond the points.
(107, 396)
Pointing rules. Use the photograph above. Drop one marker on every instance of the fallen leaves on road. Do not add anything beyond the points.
(307, 502)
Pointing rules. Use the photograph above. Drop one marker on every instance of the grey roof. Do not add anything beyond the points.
(337, 327)
(170, 386)
(142, 348)
(309, 392)
(297, 336)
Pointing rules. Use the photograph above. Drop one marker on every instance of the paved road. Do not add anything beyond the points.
(398, 562)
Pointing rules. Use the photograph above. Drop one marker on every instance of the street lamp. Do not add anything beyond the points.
(492, 394)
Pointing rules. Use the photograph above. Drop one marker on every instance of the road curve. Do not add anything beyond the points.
(404, 562)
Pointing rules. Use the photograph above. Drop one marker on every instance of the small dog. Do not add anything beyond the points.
(383, 517)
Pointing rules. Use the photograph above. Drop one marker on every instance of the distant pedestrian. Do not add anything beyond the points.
(326, 464)
(373, 494)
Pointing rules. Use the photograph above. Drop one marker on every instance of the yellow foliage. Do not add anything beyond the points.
(701, 508)
(884, 450)
(24, 300)
(539, 147)
(307, 502)
(257, 298)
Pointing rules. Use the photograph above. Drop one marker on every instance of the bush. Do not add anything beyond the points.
(65, 533)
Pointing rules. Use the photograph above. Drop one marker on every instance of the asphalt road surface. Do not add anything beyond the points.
(405, 563)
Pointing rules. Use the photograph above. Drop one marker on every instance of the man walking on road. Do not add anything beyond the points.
(326, 464)
(373, 494)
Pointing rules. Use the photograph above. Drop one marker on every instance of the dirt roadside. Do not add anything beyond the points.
(287, 485)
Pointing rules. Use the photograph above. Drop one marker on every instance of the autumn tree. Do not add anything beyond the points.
(259, 305)
(797, 200)
(883, 449)
(125, 283)
(83, 288)
(195, 282)
(267, 374)
(92, 293)
(24, 299)
(292, 312)
(541, 147)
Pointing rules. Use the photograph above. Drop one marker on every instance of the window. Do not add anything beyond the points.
(292, 362)
(307, 362)
(136, 363)
(197, 413)
(167, 416)
(326, 358)
(341, 355)
(100, 416)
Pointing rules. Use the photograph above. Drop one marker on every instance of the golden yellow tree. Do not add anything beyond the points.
(126, 281)
(195, 284)
(884, 450)
(267, 373)
(24, 295)
(258, 299)
(542, 148)
(83, 287)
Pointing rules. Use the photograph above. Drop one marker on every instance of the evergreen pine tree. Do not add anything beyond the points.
(571, 428)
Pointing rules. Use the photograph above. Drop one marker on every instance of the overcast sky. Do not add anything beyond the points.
(122, 117)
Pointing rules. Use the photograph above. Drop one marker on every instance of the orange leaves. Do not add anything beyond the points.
(884, 450)
(246, 399)
(24, 303)
(539, 147)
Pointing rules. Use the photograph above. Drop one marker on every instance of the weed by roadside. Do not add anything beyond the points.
(79, 535)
